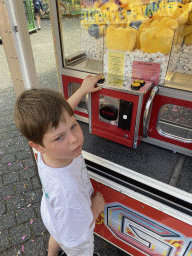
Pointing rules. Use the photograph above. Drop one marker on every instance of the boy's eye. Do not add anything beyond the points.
(74, 126)
(59, 137)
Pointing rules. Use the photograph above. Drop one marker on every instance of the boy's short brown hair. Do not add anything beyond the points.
(36, 110)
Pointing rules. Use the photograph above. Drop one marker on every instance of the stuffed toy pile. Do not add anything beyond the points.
(151, 27)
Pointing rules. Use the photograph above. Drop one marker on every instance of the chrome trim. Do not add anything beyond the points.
(56, 30)
(127, 90)
(74, 73)
(82, 110)
(145, 180)
(89, 111)
(138, 117)
(169, 146)
(175, 93)
(87, 102)
(171, 136)
(146, 116)
(82, 118)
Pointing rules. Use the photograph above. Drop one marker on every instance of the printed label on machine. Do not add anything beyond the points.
(147, 71)
(115, 69)
(116, 63)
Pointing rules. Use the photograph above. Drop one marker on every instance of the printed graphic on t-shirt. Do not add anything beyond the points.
(46, 194)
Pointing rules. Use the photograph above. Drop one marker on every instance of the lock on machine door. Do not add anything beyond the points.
(125, 114)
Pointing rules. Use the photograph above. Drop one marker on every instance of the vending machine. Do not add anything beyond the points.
(138, 127)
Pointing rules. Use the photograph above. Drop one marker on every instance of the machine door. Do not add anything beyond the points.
(168, 116)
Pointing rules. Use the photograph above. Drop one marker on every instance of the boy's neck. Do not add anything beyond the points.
(55, 163)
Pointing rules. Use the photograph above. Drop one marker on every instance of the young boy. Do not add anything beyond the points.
(69, 207)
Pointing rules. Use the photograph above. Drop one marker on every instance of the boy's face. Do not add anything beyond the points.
(63, 144)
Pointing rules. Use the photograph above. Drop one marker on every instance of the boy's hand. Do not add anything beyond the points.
(98, 205)
(89, 84)
(98, 202)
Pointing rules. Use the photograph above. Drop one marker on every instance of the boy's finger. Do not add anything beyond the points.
(97, 89)
(99, 77)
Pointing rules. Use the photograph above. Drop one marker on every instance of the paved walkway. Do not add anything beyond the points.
(21, 229)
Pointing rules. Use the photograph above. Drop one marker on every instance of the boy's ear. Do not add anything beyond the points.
(37, 147)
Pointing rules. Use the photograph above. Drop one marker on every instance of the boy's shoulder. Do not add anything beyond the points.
(65, 174)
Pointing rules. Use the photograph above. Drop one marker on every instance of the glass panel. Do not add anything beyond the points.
(157, 32)
(175, 122)
(179, 73)
(72, 88)
(83, 47)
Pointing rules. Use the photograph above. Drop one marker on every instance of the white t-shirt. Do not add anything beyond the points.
(66, 204)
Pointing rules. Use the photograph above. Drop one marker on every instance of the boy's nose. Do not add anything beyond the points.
(73, 138)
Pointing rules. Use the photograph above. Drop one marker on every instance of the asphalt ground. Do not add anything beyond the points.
(22, 231)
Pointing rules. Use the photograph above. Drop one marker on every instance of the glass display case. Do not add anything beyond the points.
(155, 32)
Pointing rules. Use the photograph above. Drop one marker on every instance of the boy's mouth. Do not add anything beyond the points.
(78, 148)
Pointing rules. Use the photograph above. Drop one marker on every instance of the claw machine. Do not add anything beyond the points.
(138, 128)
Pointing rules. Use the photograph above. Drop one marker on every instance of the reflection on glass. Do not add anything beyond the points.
(72, 88)
(109, 109)
(175, 122)
(82, 47)
(179, 73)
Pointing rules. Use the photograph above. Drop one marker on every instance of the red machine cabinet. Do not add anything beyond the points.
(131, 137)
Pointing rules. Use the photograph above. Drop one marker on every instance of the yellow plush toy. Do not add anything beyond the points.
(121, 39)
(125, 4)
(159, 37)
(142, 28)
(168, 9)
(183, 34)
(173, 9)
(109, 5)
(187, 34)
(183, 18)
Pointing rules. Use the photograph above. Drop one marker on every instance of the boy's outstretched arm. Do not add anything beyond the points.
(88, 86)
